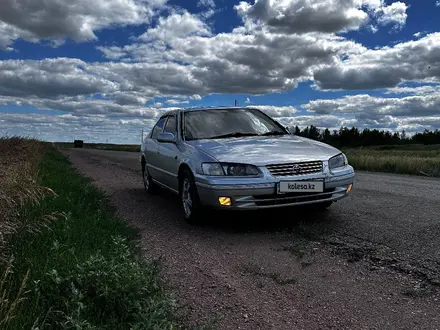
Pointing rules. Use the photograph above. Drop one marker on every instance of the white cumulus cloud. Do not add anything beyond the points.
(329, 16)
(388, 66)
(75, 19)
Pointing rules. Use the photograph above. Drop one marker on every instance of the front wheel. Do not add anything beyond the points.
(149, 185)
(189, 199)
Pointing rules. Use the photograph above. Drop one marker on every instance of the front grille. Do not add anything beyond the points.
(293, 169)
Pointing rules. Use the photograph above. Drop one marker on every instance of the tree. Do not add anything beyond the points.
(403, 135)
(326, 136)
(353, 137)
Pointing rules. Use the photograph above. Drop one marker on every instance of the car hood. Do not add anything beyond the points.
(266, 150)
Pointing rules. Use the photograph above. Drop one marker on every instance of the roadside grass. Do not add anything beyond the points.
(19, 159)
(415, 160)
(407, 147)
(69, 262)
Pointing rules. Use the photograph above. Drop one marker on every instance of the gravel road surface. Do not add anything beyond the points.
(370, 262)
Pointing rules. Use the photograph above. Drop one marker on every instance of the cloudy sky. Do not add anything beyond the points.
(102, 70)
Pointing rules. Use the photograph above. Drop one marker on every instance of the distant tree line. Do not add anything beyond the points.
(353, 137)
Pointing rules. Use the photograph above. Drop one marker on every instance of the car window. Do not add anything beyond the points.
(206, 124)
(171, 125)
(158, 128)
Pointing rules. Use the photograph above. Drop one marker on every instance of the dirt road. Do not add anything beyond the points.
(371, 262)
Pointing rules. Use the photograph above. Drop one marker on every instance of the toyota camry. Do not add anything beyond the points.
(240, 159)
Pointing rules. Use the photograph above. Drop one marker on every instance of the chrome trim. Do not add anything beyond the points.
(165, 186)
(294, 169)
(236, 186)
(161, 170)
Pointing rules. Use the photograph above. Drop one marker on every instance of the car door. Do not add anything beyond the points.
(168, 155)
(152, 151)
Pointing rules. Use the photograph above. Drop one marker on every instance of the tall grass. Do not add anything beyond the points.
(10, 304)
(415, 161)
(19, 161)
(79, 271)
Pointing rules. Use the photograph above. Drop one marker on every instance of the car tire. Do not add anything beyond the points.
(149, 185)
(189, 199)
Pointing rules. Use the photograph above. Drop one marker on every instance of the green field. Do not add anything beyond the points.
(67, 261)
(403, 159)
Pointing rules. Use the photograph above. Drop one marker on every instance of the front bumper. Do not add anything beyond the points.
(260, 193)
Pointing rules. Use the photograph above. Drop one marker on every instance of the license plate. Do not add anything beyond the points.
(300, 186)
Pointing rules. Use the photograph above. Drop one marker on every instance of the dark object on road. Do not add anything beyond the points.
(78, 143)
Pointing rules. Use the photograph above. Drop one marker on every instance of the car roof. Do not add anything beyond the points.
(211, 108)
(175, 111)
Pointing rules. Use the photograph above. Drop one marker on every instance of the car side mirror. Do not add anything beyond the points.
(288, 129)
(166, 137)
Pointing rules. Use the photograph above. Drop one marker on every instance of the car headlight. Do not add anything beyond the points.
(337, 161)
(219, 169)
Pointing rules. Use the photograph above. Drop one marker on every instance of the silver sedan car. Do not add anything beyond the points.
(240, 159)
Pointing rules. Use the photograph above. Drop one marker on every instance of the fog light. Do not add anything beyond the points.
(225, 201)
(349, 188)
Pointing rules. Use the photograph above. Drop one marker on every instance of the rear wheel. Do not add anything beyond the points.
(149, 185)
(189, 198)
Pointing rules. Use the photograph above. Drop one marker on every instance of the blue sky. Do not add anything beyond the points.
(105, 70)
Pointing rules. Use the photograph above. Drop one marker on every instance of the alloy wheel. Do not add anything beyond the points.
(149, 185)
(186, 198)
(146, 180)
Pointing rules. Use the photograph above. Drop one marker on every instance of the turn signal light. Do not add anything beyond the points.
(225, 201)
(349, 188)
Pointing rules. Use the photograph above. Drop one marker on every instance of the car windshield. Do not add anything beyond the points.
(224, 123)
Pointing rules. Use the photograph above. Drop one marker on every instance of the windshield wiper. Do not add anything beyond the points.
(273, 133)
(232, 135)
